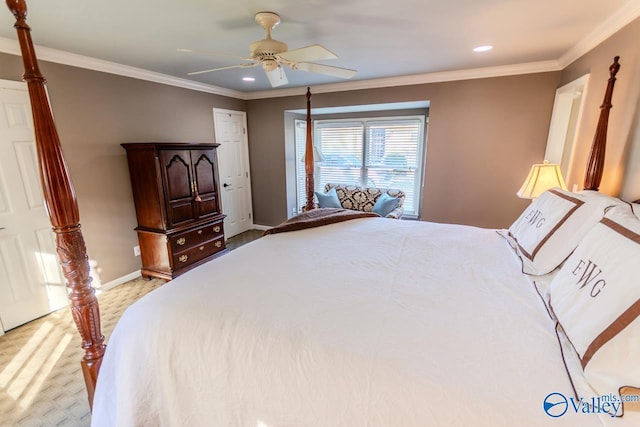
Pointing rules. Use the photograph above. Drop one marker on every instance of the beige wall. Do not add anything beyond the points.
(622, 162)
(483, 136)
(94, 113)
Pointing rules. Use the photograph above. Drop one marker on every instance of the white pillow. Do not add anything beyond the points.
(552, 226)
(596, 299)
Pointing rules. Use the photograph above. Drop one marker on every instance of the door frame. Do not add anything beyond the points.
(245, 143)
(565, 123)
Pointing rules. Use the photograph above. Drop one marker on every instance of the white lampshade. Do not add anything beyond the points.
(542, 177)
(318, 157)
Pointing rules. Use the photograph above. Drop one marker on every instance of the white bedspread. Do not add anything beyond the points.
(370, 322)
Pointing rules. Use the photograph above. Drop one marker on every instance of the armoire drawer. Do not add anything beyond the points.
(198, 252)
(188, 239)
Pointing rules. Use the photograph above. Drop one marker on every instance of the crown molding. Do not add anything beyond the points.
(12, 47)
(416, 79)
(614, 23)
(622, 17)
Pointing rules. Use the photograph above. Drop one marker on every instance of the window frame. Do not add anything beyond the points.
(364, 167)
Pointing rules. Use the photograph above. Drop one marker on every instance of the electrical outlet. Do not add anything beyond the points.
(136, 250)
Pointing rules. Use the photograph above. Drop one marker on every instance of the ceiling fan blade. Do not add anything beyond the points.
(344, 73)
(206, 52)
(222, 68)
(277, 77)
(315, 52)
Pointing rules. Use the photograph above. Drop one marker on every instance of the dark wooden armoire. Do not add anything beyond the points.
(177, 198)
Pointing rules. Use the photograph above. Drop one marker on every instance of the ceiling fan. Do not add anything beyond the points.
(272, 54)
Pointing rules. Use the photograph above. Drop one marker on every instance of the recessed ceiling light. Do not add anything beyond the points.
(482, 48)
(249, 79)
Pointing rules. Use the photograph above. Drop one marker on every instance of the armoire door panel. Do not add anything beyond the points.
(208, 207)
(177, 172)
(180, 212)
(204, 171)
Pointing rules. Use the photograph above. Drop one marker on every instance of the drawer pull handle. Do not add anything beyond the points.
(181, 241)
(218, 244)
(183, 258)
(216, 228)
(201, 248)
(199, 231)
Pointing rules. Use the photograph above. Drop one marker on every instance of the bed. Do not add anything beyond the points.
(393, 336)
(429, 324)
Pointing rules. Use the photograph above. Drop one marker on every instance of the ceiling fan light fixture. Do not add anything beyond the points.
(269, 64)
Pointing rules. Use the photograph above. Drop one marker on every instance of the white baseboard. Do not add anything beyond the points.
(261, 227)
(119, 281)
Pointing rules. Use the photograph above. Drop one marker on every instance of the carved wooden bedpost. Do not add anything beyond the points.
(62, 207)
(308, 157)
(595, 163)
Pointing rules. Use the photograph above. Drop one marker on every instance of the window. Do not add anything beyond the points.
(384, 153)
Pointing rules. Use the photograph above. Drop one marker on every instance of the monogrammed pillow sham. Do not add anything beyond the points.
(596, 298)
(551, 227)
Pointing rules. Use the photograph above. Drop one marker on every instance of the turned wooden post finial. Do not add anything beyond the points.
(595, 163)
(613, 69)
(18, 8)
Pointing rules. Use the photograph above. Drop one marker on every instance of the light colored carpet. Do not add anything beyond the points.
(40, 379)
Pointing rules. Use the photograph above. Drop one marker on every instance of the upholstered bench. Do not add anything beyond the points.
(364, 199)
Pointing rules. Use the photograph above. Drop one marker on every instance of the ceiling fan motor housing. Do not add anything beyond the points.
(267, 49)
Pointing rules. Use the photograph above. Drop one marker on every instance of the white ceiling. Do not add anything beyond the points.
(379, 38)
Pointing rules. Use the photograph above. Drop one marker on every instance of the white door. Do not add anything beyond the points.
(31, 283)
(233, 163)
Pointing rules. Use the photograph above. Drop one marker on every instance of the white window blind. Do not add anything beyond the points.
(384, 153)
(301, 138)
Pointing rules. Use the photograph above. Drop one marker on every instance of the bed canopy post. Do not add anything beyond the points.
(308, 157)
(595, 164)
(62, 207)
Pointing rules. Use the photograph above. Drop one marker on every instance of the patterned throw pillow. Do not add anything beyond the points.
(357, 198)
(364, 199)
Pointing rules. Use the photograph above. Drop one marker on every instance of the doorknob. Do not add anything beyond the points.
(225, 185)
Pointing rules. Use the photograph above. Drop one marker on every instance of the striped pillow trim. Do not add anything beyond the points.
(626, 318)
(544, 240)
